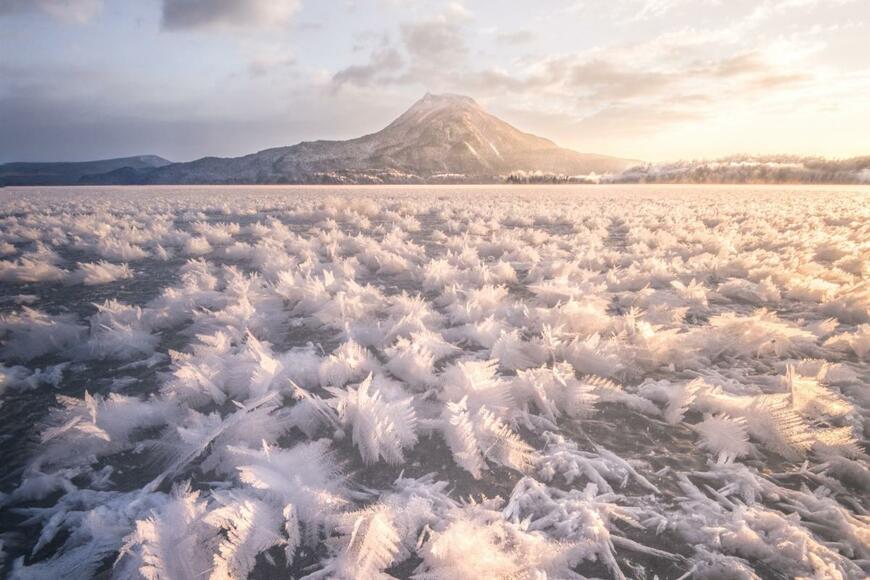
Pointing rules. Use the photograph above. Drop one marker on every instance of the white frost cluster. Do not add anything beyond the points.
(430, 384)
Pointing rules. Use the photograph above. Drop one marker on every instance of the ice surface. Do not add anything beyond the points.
(435, 382)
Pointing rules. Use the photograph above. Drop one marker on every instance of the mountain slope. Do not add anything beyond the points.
(441, 137)
(67, 173)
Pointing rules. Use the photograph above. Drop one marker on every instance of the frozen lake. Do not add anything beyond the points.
(435, 382)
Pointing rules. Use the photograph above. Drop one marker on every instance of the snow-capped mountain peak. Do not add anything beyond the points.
(441, 137)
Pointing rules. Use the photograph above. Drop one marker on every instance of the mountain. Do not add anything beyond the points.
(69, 173)
(441, 138)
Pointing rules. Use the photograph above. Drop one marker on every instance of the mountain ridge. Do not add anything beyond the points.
(72, 172)
(440, 138)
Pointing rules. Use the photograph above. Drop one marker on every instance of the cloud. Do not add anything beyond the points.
(648, 9)
(741, 64)
(773, 81)
(196, 14)
(773, 9)
(662, 83)
(644, 87)
(683, 61)
(635, 120)
(266, 63)
(608, 80)
(489, 79)
(428, 51)
(458, 10)
(435, 40)
(515, 37)
(79, 11)
(637, 11)
(384, 61)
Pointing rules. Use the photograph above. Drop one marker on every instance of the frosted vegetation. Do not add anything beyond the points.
(435, 383)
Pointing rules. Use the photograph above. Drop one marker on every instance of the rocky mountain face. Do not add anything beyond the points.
(441, 138)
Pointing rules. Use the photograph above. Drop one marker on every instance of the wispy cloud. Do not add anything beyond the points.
(383, 62)
(522, 36)
(427, 51)
(80, 11)
(634, 120)
(197, 14)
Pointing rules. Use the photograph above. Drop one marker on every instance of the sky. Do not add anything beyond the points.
(656, 80)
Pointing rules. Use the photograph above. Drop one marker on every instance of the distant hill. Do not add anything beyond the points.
(441, 138)
(752, 169)
(743, 169)
(71, 173)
